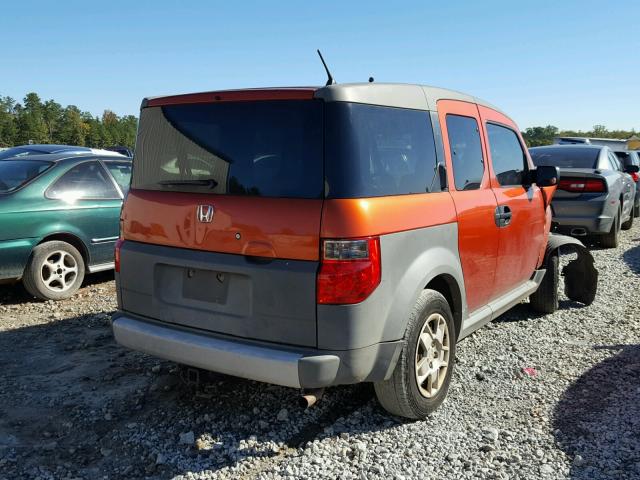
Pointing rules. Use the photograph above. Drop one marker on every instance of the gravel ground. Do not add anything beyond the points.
(73, 404)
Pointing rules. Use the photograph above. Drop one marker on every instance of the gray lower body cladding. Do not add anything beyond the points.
(300, 343)
(272, 363)
(262, 299)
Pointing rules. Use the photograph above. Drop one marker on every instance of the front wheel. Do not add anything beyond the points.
(421, 377)
(55, 271)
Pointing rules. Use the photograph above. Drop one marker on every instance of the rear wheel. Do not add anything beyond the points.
(55, 271)
(421, 378)
(629, 223)
(545, 299)
(610, 240)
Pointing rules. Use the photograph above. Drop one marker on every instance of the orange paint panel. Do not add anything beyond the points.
(478, 237)
(525, 237)
(363, 217)
(266, 227)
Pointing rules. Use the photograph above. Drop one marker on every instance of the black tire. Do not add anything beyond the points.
(400, 394)
(610, 240)
(636, 210)
(63, 282)
(629, 223)
(545, 299)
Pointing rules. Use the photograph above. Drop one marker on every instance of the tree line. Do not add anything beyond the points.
(36, 121)
(48, 122)
(537, 136)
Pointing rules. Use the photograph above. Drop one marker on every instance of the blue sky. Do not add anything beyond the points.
(572, 64)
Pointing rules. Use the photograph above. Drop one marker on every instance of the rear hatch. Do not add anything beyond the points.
(222, 221)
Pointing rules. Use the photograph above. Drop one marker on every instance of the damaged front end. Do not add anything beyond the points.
(580, 274)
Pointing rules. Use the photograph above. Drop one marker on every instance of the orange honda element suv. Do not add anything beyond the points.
(310, 237)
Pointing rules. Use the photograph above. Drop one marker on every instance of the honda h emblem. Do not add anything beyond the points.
(204, 213)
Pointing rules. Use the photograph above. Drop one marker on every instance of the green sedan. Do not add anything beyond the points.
(59, 218)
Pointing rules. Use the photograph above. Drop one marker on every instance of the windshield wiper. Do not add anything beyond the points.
(205, 182)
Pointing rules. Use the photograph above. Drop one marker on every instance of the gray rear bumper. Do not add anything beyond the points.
(261, 361)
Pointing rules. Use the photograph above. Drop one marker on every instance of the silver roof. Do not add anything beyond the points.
(403, 95)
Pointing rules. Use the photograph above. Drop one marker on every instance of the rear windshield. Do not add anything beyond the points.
(268, 148)
(294, 149)
(565, 157)
(20, 152)
(15, 173)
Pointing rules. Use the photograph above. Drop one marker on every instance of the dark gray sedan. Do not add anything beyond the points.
(596, 192)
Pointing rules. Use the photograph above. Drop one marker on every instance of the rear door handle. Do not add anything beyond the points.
(502, 216)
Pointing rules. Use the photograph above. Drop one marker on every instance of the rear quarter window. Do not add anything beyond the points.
(373, 151)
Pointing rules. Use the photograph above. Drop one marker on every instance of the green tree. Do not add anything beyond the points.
(31, 124)
(536, 136)
(8, 126)
(73, 130)
(52, 116)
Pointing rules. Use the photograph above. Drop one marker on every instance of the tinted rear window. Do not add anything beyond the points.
(373, 151)
(565, 157)
(267, 148)
(20, 152)
(15, 173)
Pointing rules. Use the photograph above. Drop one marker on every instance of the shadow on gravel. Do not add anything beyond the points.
(15, 294)
(523, 312)
(632, 259)
(597, 421)
(75, 404)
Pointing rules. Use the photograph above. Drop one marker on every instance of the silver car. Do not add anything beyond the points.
(596, 193)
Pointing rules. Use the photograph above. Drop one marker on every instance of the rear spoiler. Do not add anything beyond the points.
(246, 95)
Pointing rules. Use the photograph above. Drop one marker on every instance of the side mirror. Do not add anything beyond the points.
(546, 176)
(631, 169)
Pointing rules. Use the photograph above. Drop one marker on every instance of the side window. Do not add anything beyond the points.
(373, 151)
(86, 180)
(614, 161)
(466, 152)
(507, 157)
(121, 173)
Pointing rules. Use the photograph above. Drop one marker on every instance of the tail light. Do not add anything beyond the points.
(119, 243)
(635, 176)
(350, 270)
(582, 185)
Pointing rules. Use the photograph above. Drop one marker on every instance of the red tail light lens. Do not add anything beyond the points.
(119, 243)
(582, 185)
(350, 270)
(635, 176)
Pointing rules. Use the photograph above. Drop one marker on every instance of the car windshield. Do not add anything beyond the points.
(19, 152)
(15, 173)
(565, 157)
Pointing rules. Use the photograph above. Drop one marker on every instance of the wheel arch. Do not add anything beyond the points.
(580, 274)
(448, 287)
(71, 239)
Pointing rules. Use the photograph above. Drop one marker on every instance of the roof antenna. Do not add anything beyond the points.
(330, 80)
